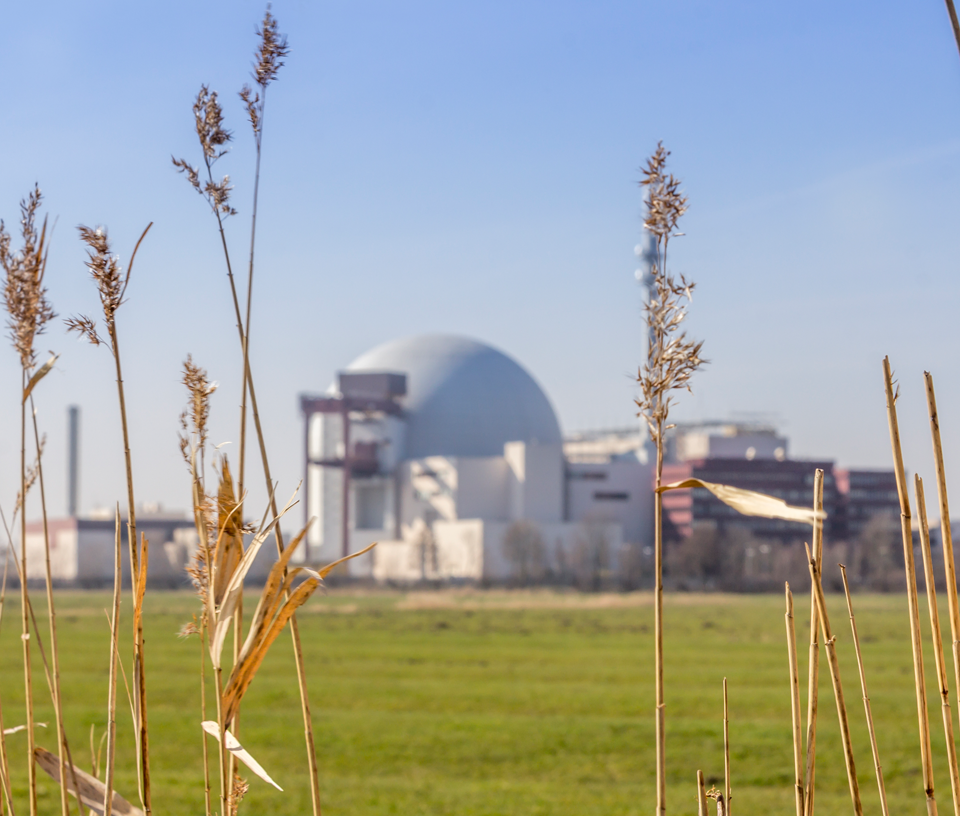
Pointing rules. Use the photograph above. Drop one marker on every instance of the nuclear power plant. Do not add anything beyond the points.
(449, 454)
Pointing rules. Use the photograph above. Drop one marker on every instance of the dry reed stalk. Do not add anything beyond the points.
(4, 763)
(701, 795)
(954, 22)
(829, 645)
(866, 699)
(52, 615)
(671, 361)
(726, 748)
(208, 117)
(911, 574)
(937, 643)
(25, 299)
(949, 566)
(112, 681)
(268, 60)
(112, 286)
(203, 713)
(813, 666)
(794, 701)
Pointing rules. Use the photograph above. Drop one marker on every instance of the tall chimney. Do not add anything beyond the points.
(73, 459)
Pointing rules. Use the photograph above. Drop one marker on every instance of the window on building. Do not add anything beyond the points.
(607, 495)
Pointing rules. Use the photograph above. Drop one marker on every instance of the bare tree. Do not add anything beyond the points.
(524, 549)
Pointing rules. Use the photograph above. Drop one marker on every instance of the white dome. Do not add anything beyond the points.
(464, 398)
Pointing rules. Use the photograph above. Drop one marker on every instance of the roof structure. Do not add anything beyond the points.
(464, 398)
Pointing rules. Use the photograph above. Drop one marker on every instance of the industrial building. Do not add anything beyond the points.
(754, 456)
(442, 448)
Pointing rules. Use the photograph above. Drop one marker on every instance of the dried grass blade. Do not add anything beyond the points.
(38, 375)
(244, 672)
(229, 548)
(224, 615)
(749, 502)
(234, 747)
(701, 795)
(89, 790)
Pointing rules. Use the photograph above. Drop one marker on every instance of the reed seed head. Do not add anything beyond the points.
(208, 118)
(666, 204)
(267, 62)
(105, 268)
(209, 121)
(25, 297)
(672, 359)
(273, 49)
(197, 412)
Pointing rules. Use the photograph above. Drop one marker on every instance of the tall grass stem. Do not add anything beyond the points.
(884, 810)
(911, 576)
(949, 565)
(941, 665)
(830, 647)
(794, 701)
(813, 667)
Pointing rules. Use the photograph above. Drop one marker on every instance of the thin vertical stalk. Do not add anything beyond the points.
(949, 566)
(813, 676)
(203, 713)
(830, 647)
(658, 638)
(4, 763)
(866, 698)
(954, 23)
(937, 643)
(701, 795)
(112, 682)
(25, 602)
(52, 614)
(911, 573)
(222, 744)
(294, 626)
(140, 685)
(794, 701)
(726, 749)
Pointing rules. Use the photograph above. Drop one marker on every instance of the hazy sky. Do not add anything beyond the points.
(472, 168)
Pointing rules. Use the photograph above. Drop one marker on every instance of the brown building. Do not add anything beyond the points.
(789, 480)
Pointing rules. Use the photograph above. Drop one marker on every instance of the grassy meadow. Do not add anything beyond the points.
(469, 702)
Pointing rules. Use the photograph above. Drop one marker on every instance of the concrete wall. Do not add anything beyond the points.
(482, 488)
(619, 491)
(536, 481)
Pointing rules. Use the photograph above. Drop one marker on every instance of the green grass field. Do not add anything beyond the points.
(498, 703)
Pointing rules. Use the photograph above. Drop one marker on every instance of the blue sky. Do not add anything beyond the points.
(472, 168)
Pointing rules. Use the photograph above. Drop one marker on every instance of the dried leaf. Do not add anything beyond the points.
(750, 503)
(92, 790)
(229, 549)
(234, 747)
(224, 614)
(270, 618)
(17, 728)
(39, 374)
